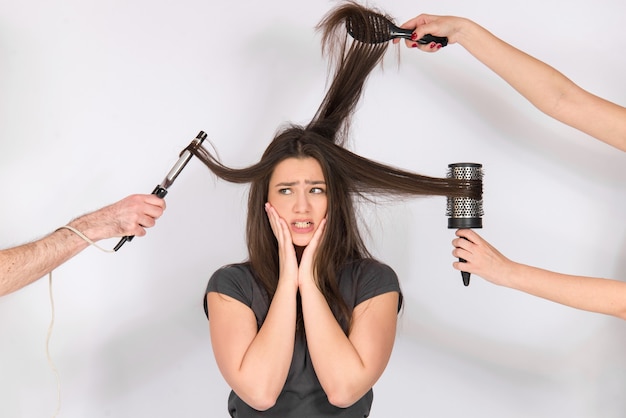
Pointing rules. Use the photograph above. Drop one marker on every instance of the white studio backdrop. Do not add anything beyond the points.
(97, 99)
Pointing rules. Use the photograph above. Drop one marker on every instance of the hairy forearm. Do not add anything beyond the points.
(592, 294)
(22, 265)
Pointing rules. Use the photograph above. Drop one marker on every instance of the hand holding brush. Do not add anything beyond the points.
(372, 28)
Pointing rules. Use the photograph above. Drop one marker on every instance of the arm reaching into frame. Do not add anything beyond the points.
(542, 85)
(24, 264)
(592, 294)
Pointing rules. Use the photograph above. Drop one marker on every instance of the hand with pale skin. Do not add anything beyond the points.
(287, 260)
(480, 257)
(443, 26)
(605, 296)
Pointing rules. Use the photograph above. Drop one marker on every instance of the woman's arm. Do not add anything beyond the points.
(587, 293)
(545, 87)
(254, 364)
(348, 366)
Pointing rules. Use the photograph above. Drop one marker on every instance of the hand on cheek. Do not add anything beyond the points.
(286, 253)
(308, 256)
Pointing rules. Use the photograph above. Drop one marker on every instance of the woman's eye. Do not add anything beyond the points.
(284, 191)
(317, 190)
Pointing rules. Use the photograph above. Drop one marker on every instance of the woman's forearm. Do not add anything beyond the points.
(545, 87)
(592, 294)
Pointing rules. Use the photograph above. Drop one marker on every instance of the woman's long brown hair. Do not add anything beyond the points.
(347, 175)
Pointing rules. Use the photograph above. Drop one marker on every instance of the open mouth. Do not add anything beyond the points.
(302, 224)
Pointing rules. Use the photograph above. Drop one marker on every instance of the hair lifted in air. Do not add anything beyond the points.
(348, 176)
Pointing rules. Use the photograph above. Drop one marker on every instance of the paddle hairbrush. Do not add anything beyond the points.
(373, 28)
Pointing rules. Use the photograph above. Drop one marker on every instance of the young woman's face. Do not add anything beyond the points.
(297, 190)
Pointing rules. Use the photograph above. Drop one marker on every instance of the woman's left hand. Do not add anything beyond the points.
(306, 269)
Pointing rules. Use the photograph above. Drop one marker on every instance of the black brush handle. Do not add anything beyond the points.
(428, 38)
(464, 274)
(397, 32)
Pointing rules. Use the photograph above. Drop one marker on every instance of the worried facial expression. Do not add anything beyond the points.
(297, 190)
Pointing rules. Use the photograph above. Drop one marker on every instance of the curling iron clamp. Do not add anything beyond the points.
(161, 189)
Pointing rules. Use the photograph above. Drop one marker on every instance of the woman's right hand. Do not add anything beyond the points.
(443, 26)
(480, 257)
(288, 263)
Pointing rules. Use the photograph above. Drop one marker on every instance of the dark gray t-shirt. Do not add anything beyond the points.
(303, 396)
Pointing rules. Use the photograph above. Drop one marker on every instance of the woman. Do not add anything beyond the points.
(557, 96)
(306, 326)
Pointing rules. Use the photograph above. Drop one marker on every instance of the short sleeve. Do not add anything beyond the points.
(234, 281)
(375, 278)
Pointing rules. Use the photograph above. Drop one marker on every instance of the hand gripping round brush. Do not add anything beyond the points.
(465, 212)
(161, 189)
(373, 28)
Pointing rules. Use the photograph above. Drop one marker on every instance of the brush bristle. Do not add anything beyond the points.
(369, 28)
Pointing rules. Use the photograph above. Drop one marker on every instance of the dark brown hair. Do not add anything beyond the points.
(348, 176)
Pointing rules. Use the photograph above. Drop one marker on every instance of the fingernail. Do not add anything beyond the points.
(432, 45)
(414, 45)
(413, 36)
(439, 46)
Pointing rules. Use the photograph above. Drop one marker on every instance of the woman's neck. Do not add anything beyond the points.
(299, 251)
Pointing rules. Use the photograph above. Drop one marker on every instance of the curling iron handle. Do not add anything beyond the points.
(158, 191)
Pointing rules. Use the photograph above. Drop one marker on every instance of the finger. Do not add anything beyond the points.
(279, 226)
(320, 231)
(461, 253)
(315, 240)
(271, 219)
(136, 229)
(154, 200)
(462, 266)
(284, 230)
(468, 234)
(154, 211)
(460, 242)
(147, 221)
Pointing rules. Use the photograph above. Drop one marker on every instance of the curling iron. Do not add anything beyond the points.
(161, 189)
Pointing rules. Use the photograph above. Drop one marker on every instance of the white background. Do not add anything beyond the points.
(98, 98)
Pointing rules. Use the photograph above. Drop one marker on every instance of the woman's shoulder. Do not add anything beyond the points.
(371, 278)
(370, 266)
(234, 269)
(236, 274)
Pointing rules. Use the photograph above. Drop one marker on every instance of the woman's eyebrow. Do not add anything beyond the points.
(293, 183)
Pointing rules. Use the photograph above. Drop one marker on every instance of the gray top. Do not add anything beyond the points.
(303, 396)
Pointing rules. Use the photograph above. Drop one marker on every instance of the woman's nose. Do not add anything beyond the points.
(302, 203)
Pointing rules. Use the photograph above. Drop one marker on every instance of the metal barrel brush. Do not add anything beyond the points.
(465, 212)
